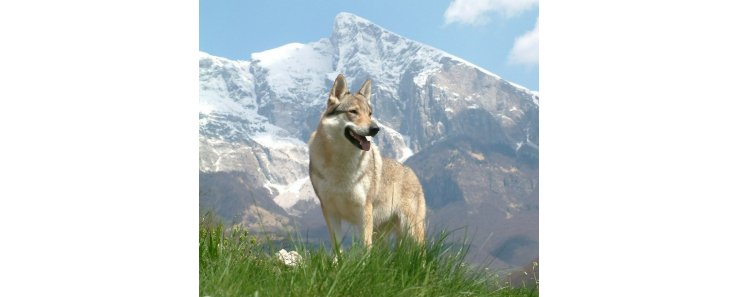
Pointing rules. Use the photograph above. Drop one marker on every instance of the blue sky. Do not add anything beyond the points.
(498, 35)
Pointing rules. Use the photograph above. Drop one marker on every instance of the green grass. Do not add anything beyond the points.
(236, 263)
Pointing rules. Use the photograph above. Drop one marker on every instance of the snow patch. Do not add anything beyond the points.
(273, 141)
(421, 78)
(290, 194)
(521, 88)
(278, 54)
(217, 95)
(463, 61)
(295, 69)
(530, 143)
(406, 151)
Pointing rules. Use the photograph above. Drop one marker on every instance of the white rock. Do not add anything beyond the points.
(290, 259)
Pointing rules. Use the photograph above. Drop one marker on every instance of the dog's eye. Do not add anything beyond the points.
(371, 113)
(353, 112)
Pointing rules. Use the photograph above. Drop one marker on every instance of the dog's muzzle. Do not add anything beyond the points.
(374, 129)
(359, 139)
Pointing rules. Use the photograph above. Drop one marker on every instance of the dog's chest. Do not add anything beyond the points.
(338, 186)
(343, 184)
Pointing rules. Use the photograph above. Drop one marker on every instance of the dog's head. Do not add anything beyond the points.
(350, 114)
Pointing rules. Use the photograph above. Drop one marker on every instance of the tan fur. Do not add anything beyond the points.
(373, 193)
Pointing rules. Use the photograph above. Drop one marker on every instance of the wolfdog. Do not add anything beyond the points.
(353, 182)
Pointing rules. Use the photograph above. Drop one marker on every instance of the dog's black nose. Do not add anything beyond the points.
(374, 129)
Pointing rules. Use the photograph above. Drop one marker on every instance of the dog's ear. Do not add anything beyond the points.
(365, 89)
(337, 90)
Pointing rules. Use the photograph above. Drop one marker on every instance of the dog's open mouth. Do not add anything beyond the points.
(358, 140)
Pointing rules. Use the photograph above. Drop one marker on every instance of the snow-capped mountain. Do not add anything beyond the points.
(443, 114)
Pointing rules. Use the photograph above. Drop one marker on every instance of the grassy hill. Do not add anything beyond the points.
(237, 263)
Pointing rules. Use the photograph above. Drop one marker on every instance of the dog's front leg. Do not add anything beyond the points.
(335, 230)
(334, 224)
(367, 225)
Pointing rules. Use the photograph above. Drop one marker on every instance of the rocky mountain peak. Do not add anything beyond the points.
(346, 23)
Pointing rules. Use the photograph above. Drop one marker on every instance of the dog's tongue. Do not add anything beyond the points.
(363, 142)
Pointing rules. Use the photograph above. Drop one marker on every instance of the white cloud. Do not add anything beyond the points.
(474, 12)
(527, 48)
